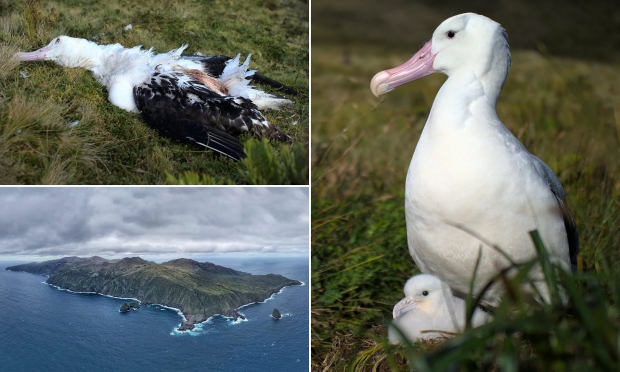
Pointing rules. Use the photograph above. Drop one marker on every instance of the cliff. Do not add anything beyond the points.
(199, 289)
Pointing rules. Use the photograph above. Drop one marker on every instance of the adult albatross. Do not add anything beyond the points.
(198, 99)
(471, 182)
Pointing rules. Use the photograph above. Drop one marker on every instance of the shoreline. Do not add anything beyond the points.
(271, 297)
(177, 310)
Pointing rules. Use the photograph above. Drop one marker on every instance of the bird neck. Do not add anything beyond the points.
(466, 95)
(88, 57)
(116, 61)
(493, 74)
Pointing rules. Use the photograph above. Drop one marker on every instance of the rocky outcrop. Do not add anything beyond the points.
(128, 306)
(276, 314)
(237, 315)
(198, 289)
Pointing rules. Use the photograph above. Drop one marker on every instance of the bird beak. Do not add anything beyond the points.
(405, 305)
(37, 55)
(420, 65)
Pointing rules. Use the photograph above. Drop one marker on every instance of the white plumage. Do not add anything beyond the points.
(429, 311)
(470, 181)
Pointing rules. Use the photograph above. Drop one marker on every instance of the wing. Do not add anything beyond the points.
(166, 112)
(569, 222)
(172, 101)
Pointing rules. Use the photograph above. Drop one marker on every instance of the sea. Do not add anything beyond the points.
(43, 328)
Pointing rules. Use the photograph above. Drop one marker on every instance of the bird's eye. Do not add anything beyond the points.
(57, 40)
(450, 34)
(425, 293)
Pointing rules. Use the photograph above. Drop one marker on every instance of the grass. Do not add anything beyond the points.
(566, 111)
(111, 146)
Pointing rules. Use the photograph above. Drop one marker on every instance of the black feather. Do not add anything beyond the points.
(264, 80)
(163, 101)
(168, 109)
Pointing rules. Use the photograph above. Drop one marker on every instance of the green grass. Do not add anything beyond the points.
(112, 146)
(567, 112)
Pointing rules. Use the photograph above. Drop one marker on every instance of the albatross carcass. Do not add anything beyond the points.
(471, 183)
(189, 98)
(430, 310)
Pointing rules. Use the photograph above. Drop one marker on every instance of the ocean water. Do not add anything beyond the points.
(46, 329)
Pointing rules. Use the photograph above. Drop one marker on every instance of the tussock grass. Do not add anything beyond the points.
(8, 63)
(565, 111)
(116, 146)
(37, 131)
(38, 26)
(262, 167)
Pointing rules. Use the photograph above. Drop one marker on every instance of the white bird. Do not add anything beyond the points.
(430, 310)
(190, 98)
(471, 183)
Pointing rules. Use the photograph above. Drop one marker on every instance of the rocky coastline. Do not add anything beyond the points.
(190, 322)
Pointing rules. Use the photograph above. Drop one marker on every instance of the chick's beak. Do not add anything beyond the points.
(403, 306)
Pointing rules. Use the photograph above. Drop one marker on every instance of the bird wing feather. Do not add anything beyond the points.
(569, 222)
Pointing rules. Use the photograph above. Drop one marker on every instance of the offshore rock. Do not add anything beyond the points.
(276, 314)
(128, 306)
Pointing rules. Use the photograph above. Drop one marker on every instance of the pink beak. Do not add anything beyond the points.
(37, 55)
(420, 65)
(406, 304)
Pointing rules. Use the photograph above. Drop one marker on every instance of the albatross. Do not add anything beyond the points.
(471, 184)
(430, 310)
(206, 100)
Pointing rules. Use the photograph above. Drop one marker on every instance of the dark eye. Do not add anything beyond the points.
(57, 40)
(425, 293)
(450, 34)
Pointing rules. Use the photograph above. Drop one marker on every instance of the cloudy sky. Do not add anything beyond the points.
(152, 221)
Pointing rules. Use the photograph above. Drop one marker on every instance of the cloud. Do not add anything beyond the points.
(153, 220)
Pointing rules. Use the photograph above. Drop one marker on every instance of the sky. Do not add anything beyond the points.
(151, 221)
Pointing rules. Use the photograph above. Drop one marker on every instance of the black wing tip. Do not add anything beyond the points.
(270, 131)
(262, 79)
(222, 143)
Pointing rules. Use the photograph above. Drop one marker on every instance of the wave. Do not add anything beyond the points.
(96, 293)
(239, 320)
(199, 327)
(178, 311)
(270, 297)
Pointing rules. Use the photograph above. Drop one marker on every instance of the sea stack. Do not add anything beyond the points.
(276, 314)
(128, 306)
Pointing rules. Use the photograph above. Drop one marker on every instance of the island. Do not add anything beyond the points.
(276, 314)
(198, 290)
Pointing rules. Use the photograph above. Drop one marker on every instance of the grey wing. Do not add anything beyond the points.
(569, 222)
